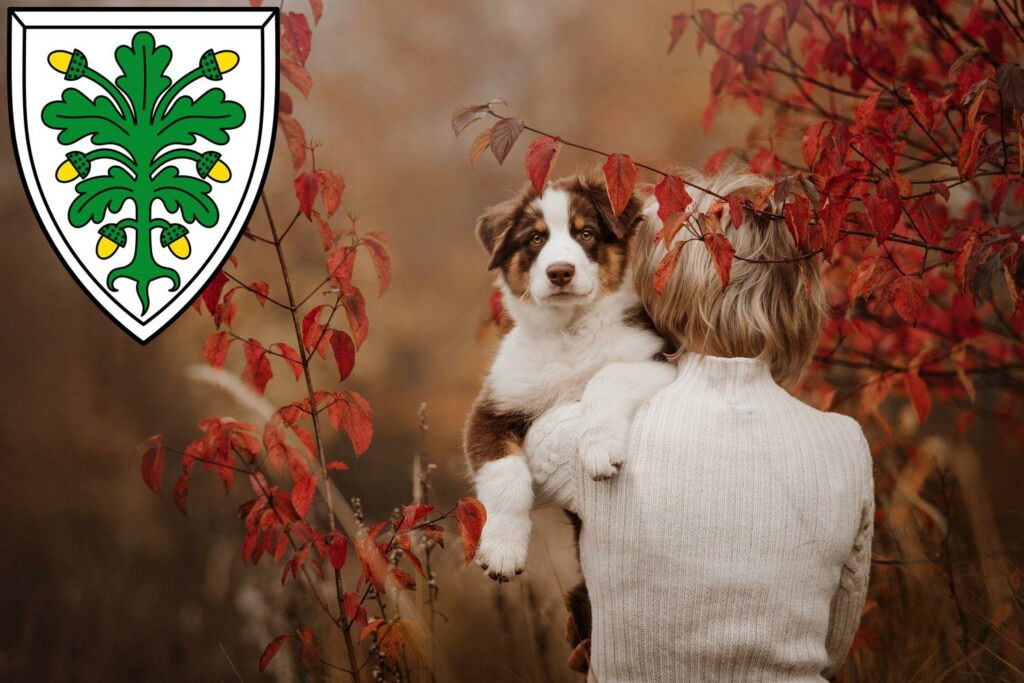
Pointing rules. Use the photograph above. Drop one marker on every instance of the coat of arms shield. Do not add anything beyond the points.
(143, 139)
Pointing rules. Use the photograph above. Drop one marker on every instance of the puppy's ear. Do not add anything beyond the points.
(493, 228)
(622, 226)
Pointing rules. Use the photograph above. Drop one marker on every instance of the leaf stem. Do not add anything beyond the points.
(160, 109)
(112, 90)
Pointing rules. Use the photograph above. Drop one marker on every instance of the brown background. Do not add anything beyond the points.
(99, 580)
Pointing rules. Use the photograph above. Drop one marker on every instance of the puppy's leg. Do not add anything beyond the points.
(609, 403)
(504, 485)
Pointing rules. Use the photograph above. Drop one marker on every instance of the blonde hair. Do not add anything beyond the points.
(771, 311)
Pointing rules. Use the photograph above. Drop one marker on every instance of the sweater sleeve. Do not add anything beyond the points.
(551, 446)
(848, 600)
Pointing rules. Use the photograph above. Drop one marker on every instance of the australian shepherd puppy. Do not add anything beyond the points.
(563, 262)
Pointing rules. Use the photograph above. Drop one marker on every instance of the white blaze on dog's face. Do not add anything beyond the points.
(562, 248)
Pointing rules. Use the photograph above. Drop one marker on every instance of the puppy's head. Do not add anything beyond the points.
(563, 247)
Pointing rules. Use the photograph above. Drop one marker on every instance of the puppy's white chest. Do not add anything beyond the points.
(536, 371)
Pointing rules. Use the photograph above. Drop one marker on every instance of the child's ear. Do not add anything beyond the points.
(493, 228)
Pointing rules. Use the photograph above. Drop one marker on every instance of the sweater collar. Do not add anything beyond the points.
(728, 375)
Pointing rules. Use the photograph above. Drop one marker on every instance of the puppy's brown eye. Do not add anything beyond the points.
(587, 235)
(537, 238)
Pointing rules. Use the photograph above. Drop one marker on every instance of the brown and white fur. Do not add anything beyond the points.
(566, 282)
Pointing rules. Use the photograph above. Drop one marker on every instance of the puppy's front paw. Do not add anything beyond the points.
(503, 546)
(602, 443)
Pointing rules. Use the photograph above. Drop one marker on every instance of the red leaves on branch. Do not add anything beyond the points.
(918, 392)
(309, 651)
(909, 297)
(541, 157)
(303, 493)
(620, 175)
(722, 253)
(215, 350)
(153, 463)
(349, 411)
(381, 262)
(672, 196)
(257, 372)
(330, 186)
(503, 136)
(679, 23)
(471, 517)
(798, 215)
(337, 551)
(667, 266)
(271, 650)
(344, 353)
(867, 276)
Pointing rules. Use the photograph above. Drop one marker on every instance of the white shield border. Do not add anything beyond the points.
(20, 20)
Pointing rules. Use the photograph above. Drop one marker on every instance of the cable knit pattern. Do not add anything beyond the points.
(735, 543)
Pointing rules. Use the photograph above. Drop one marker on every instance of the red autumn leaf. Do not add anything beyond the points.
(374, 564)
(481, 143)
(715, 161)
(466, 115)
(351, 412)
(312, 328)
(291, 356)
(212, 292)
(344, 353)
(336, 466)
(434, 533)
(355, 308)
(403, 579)
(735, 210)
(722, 253)
(672, 196)
(340, 264)
(317, 7)
(503, 136)
(413, 515)
(153, 464)
(257, 366)
(867, 276)
(909, 297)
(812, 142)
(354, 611)
(961, 261)
(667, 266)
(270, 650)
(471, 517)
(294, 135)
(679, 23)
(306, 187)
(324, 228)
(309, 651)
(922, 107)
(381, 262)
(620, 178)
(882, 215)
(332, 189)
(302, 494)
(215, 350)
(798, 215)
(297, 76)
(866, 112)
(970, 146)
(296, 36)
(919, 396)
(337, 551)
(541, 157)
(260, 289)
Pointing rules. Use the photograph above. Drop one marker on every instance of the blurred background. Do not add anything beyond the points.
(99, 580)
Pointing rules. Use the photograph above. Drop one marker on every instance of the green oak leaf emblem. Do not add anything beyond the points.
(142, 123)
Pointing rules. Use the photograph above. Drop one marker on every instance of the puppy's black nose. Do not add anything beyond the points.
(561, 274)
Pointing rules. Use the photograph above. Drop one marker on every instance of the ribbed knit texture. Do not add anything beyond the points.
(735, 543)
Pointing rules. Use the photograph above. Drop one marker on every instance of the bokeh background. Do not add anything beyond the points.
(99, 580)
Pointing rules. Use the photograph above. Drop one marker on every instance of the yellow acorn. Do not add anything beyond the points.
(226, 60)
(75, 165)
(112, 238)
(214, 65)
(71, 64)
(210, 166)
(174, 238)
(60, 60)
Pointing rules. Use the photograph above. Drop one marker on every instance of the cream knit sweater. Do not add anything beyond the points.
(735, 543)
